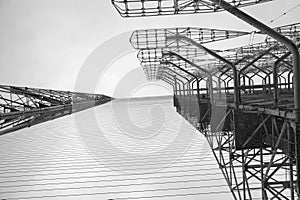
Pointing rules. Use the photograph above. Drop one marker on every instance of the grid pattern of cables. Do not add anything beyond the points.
(51, 162)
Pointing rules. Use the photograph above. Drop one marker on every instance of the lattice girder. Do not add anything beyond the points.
(22, 107)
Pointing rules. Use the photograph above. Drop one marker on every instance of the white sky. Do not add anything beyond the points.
(44, 43)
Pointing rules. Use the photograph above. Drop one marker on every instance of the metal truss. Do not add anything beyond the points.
(256, 142)
(256, 153)
(255, 147)
(138, 8)
(232, 8)
(22, 107)
(201, 57)
(244, 54)
(156, 38)
(196, 55)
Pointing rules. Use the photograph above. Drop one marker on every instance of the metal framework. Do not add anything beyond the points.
(256, 142)
(141, 8)
(156, 38)
(263, 168)
(150, 55)
(22, 107)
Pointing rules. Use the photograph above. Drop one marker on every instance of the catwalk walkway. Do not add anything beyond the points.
(122, 150)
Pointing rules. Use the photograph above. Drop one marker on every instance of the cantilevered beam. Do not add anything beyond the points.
(22, 107)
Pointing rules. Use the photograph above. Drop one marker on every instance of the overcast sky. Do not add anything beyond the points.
(45, 43)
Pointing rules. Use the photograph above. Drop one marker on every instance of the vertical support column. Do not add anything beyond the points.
(189, 99)
(289, 81)
(244, 174)
(275, 82)
(175, 80)
(198, 91)
(244, 83)
(297, 157)
(290, 150)
(275, 74)
(263, 191)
